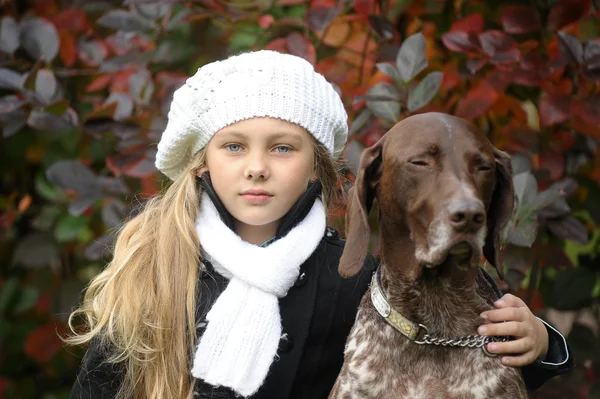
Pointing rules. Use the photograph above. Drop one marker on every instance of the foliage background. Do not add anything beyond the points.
(85, 87)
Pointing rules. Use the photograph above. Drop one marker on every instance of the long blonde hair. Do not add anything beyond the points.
(142, 305)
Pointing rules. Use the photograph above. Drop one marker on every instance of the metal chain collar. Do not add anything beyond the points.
(469, 341)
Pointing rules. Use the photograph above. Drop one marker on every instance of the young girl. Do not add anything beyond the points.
(226, 285)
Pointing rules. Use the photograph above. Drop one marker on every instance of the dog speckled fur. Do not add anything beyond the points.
(423, 170)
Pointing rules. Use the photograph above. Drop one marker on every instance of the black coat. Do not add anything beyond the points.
(317, 315)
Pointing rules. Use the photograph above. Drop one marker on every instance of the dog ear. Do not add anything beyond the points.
(360, 200)
(500, 210)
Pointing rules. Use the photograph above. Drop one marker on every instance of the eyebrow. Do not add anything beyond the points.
(275, 136)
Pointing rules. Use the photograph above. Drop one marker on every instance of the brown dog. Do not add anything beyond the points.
(444, 193)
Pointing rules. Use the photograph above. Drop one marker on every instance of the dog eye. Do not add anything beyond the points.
(484, 168)
(419, 163)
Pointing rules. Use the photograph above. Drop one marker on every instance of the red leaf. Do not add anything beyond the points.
(301, 46)
(570, 47)
(589, 110)
(520, 19)
(495, 41)
(475, 64)
(477, 101)
(532, 62)
(279, 44)
(584, 128)
(266, 21)
(120, 163)
(7, 219)
(525, 77)
(43, 343)
(73, 19)
(365, 7)
(68, 48)
(99, 83)
(505, 57)
(451, 77)
(553, 162)
(554, 109)
(471, 24)
(566, 12)
(562, 141)
(461, 41)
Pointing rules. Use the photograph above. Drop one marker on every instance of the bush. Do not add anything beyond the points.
(85, 90)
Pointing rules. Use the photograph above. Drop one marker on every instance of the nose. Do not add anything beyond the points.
(466, 215)
(256, 167)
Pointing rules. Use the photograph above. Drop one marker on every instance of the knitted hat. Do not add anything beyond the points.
(254, 84)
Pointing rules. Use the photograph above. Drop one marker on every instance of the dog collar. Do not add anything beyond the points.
(407, 327)
(411, 330)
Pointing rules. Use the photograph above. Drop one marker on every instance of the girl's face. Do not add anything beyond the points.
(259, 167)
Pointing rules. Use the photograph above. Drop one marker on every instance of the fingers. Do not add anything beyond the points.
(510, 328)
(509, 300)
(518, 361)
(506, 314)
(518, 347)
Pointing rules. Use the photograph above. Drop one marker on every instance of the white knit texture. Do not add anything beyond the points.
(244, 324)
(254, 84)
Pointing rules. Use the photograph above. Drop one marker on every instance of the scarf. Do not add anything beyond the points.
(244, 325)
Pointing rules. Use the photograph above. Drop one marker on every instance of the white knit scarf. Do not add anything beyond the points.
(244, 324)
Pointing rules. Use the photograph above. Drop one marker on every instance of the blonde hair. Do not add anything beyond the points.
(143, 304)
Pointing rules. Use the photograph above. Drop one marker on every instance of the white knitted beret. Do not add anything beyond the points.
(254, 84)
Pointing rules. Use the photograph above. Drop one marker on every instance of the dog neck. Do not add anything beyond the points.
(445, 298)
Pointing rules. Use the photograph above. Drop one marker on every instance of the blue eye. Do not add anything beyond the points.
(234, 147)
(283, 149)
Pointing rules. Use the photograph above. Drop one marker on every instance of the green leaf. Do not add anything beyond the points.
(49, 191)
(525, 188)
(382, 101)
(141, 86)
(13, 122)
(8, 294)
(40, 38)
(383, 92)
(152, 11)
(553, 193)
(9, 35)
(411, 57)
(524, 232)
(10, 79)
(569, 228)
(125, 21)
(425, 91)
(36, 250)
(46, 217)
(27, 299)
(45, 85)
(353, 152)
(359, 121)
(391, 71)
(71, 228)
(124, 105)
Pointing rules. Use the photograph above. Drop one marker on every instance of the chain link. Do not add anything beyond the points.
(469, 341)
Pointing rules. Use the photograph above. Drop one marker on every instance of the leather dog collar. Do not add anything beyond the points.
(411, 330)
(407, 327)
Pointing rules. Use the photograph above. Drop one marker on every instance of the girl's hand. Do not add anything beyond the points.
(512, 317)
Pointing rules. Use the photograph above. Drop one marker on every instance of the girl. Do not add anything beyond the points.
(227, 285)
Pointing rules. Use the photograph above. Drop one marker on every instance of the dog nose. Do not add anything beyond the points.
(466, 215)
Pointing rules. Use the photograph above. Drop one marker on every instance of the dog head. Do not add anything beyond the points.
(437, 180)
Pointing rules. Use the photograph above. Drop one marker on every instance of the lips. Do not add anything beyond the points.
(257, 196)
(257, 192)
